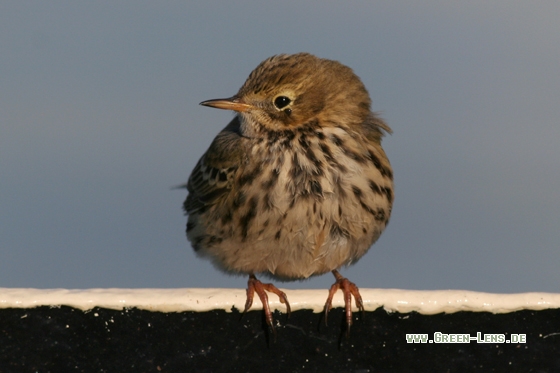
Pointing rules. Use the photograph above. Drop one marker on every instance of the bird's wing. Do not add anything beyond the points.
(213, 175)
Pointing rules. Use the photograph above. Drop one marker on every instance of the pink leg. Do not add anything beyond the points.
(349, 289)
(255, 286)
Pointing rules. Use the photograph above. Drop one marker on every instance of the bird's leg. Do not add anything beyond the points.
(349, 289)
(255, 286)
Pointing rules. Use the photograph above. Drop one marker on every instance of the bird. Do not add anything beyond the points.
(297, 184)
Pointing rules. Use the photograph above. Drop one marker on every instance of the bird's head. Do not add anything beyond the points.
(288, 91)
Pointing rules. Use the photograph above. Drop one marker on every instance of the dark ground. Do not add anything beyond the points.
(65, 339)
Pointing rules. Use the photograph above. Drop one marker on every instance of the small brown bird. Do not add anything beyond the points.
(297, 184)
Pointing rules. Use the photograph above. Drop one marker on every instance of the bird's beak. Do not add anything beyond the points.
(232, 103)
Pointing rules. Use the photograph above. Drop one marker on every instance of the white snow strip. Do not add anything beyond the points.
(177, 300)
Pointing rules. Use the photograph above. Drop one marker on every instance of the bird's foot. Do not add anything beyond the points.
(255, 286)
(349, 289)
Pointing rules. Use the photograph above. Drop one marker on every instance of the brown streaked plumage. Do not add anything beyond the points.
(297, 184)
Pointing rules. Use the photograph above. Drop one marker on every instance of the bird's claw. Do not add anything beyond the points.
(349, 289)
(256, 286)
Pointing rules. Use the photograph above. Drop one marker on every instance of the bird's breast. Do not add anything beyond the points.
(302, 204)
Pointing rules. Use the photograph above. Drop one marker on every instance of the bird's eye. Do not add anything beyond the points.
(281, 102)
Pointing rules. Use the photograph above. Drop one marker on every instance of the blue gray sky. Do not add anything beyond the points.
(99, 118)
